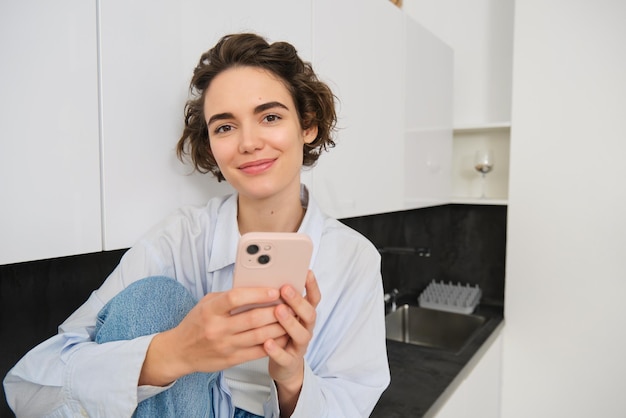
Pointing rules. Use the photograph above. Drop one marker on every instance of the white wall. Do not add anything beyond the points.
(565, 334)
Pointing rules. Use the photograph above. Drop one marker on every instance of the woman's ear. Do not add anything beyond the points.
(310, 134)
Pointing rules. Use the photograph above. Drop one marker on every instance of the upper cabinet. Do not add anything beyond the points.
(358, 49)
(481, 35)
(393, 80)
(49, 146)
(143, 94)
(93, 108)
(428, 94)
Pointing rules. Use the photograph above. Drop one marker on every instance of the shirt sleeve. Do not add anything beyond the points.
(70, 375)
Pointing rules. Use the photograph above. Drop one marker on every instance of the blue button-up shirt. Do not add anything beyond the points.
(346, 367)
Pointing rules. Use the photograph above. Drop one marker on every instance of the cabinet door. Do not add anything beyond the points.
(428, 146)
(481, 34)
(49, 144)
(358, 49)
(149, 50)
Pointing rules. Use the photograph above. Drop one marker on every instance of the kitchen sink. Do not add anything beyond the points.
(431, 328)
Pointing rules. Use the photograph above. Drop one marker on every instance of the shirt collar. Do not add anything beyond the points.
(313, 221)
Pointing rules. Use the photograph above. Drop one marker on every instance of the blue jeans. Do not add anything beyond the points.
(148, 306)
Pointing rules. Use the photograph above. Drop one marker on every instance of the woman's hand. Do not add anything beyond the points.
(210, 338)
(286, 365)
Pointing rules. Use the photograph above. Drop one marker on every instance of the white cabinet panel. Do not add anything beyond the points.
(149, 50)
(358, 49)
(143, 94)
(49, 146)
(428, 141)
(481, 34)
(427, 160)
(50, 171)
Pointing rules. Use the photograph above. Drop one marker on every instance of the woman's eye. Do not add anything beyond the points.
(222, 129)
(271, 118)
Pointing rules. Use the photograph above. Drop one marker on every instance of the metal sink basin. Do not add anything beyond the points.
(431, 328)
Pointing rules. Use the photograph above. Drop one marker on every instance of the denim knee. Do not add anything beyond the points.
(149, 306)
(145, 307)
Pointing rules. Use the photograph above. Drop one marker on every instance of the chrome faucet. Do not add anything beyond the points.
(391, 298)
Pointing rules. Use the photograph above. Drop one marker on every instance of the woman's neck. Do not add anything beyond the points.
(270, 215)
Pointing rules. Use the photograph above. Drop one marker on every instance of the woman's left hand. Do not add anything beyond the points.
(286, 364)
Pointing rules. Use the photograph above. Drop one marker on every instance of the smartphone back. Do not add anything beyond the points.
(272, 259)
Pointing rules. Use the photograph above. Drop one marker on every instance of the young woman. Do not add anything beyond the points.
(158, 339)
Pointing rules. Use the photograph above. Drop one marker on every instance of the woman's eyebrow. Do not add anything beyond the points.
(219, 116)
(269, 105)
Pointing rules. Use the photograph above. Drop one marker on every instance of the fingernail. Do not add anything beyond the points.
(289, 292)
(273, 293)
(281, 311)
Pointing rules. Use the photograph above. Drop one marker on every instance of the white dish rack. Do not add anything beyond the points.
(450, 297)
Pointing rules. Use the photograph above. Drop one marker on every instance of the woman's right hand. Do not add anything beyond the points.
(210, 338)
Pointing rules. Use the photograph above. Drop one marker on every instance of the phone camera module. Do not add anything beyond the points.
(252, 249)
(264, 259)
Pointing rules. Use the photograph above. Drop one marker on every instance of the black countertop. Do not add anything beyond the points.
(420, 375)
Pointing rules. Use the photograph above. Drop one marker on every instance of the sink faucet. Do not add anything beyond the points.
(391, 298)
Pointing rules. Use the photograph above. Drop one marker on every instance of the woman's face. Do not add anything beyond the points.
(255, 133)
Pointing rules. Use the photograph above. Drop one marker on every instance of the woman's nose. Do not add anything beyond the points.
(249, 140)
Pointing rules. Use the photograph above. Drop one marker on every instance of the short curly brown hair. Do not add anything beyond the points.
(314, 101)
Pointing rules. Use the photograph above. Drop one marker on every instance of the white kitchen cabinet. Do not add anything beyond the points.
(481, 35)
(149, 50)
(428, 120)
(91, 165)
(49, 144)
(358, 49)
(393, 79)
(143, 94)
(478, 394)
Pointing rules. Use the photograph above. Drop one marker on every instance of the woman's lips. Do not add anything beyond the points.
(257, 167)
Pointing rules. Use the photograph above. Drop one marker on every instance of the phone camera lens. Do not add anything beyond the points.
(264, 259)
(252, 249)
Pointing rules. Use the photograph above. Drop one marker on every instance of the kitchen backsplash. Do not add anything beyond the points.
(458, 243)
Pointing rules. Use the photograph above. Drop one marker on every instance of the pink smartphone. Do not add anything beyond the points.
(272, 259)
